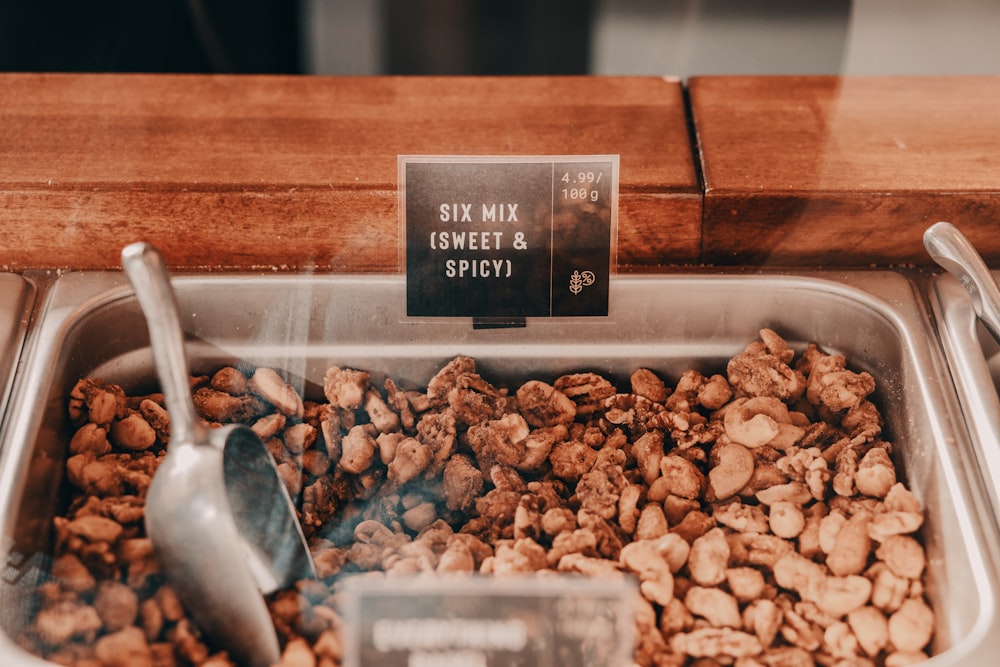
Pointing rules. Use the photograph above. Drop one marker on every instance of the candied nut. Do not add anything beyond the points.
(829, 384)
(801, 575)
(742, 517)
(714, 392)
(839, 641)
(693, 525)
(716, 643)
(655, 577)
(538, 445)
(96, 401)
(709, 558)
(681, 477)
(379, 412)
(570, 460)
(125, 648)
(94, 476)
(116, 604)
(133, 433)
(746, 583)
(647, 384)
(840, 595)
(754, 422)
(218, 406)
(647, 450)
(900, 514)
(795, 493)
(714, 605)
(90, 438)
(598, 489)
(345, 388)
(652, 523)
(764, 617)
(674, 549)
(757, 372)
(628, 508)
(876, 473)
(267, 384)
(851, 544)
(542, 405)
(786, 519)
(72, 574)
(904, 556)
(66, 620)
(457, 557)
(558, 520)
(523, 555)
(870, 627)
(299, 437)
(463, 482)
(412, 458)
(587, 390)
(911, 626)
(499, 440)
(230, 380)
(731, 472)
(474, 400)
(888, 590)
(800, 632)
(269, 426)
(358, 450)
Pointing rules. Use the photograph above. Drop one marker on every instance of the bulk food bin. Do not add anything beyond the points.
(16, 302)
(92, 326)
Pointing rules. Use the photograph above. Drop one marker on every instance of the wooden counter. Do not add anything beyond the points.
(300, 173)
(845, 171)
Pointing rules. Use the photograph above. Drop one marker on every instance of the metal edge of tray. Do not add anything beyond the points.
(892, 294)
(961, 335)
(17, 302)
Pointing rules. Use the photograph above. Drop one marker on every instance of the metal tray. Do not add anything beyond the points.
(16, 301)
(974, 360)
(92, 325)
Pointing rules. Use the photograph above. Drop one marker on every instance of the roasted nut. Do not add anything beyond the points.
(732, 471)
(709, 558)
(911, 626)
(680, 477)
(358, 450)
(543, 405)
(133, 433)
(345, 388)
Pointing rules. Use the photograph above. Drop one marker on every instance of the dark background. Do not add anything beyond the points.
(265, 36)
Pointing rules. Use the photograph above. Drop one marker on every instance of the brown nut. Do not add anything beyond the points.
(732, 472)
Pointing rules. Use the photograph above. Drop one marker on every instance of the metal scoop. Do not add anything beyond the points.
(219, 517)
(953, 251)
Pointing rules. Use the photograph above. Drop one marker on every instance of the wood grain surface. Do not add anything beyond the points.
(845, 171)
(300, 173)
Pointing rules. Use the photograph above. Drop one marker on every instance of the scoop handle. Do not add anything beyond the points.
(147, 271)
(954, 253)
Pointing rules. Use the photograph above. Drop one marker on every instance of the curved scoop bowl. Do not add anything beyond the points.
(217, 513)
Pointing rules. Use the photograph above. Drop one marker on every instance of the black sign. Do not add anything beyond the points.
(508, 237)
(473, 621)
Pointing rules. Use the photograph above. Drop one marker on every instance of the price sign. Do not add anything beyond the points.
(508, 237)
(472, 621)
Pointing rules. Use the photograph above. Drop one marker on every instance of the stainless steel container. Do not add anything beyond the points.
(974, 360)
(92, 326)
(16, 301)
